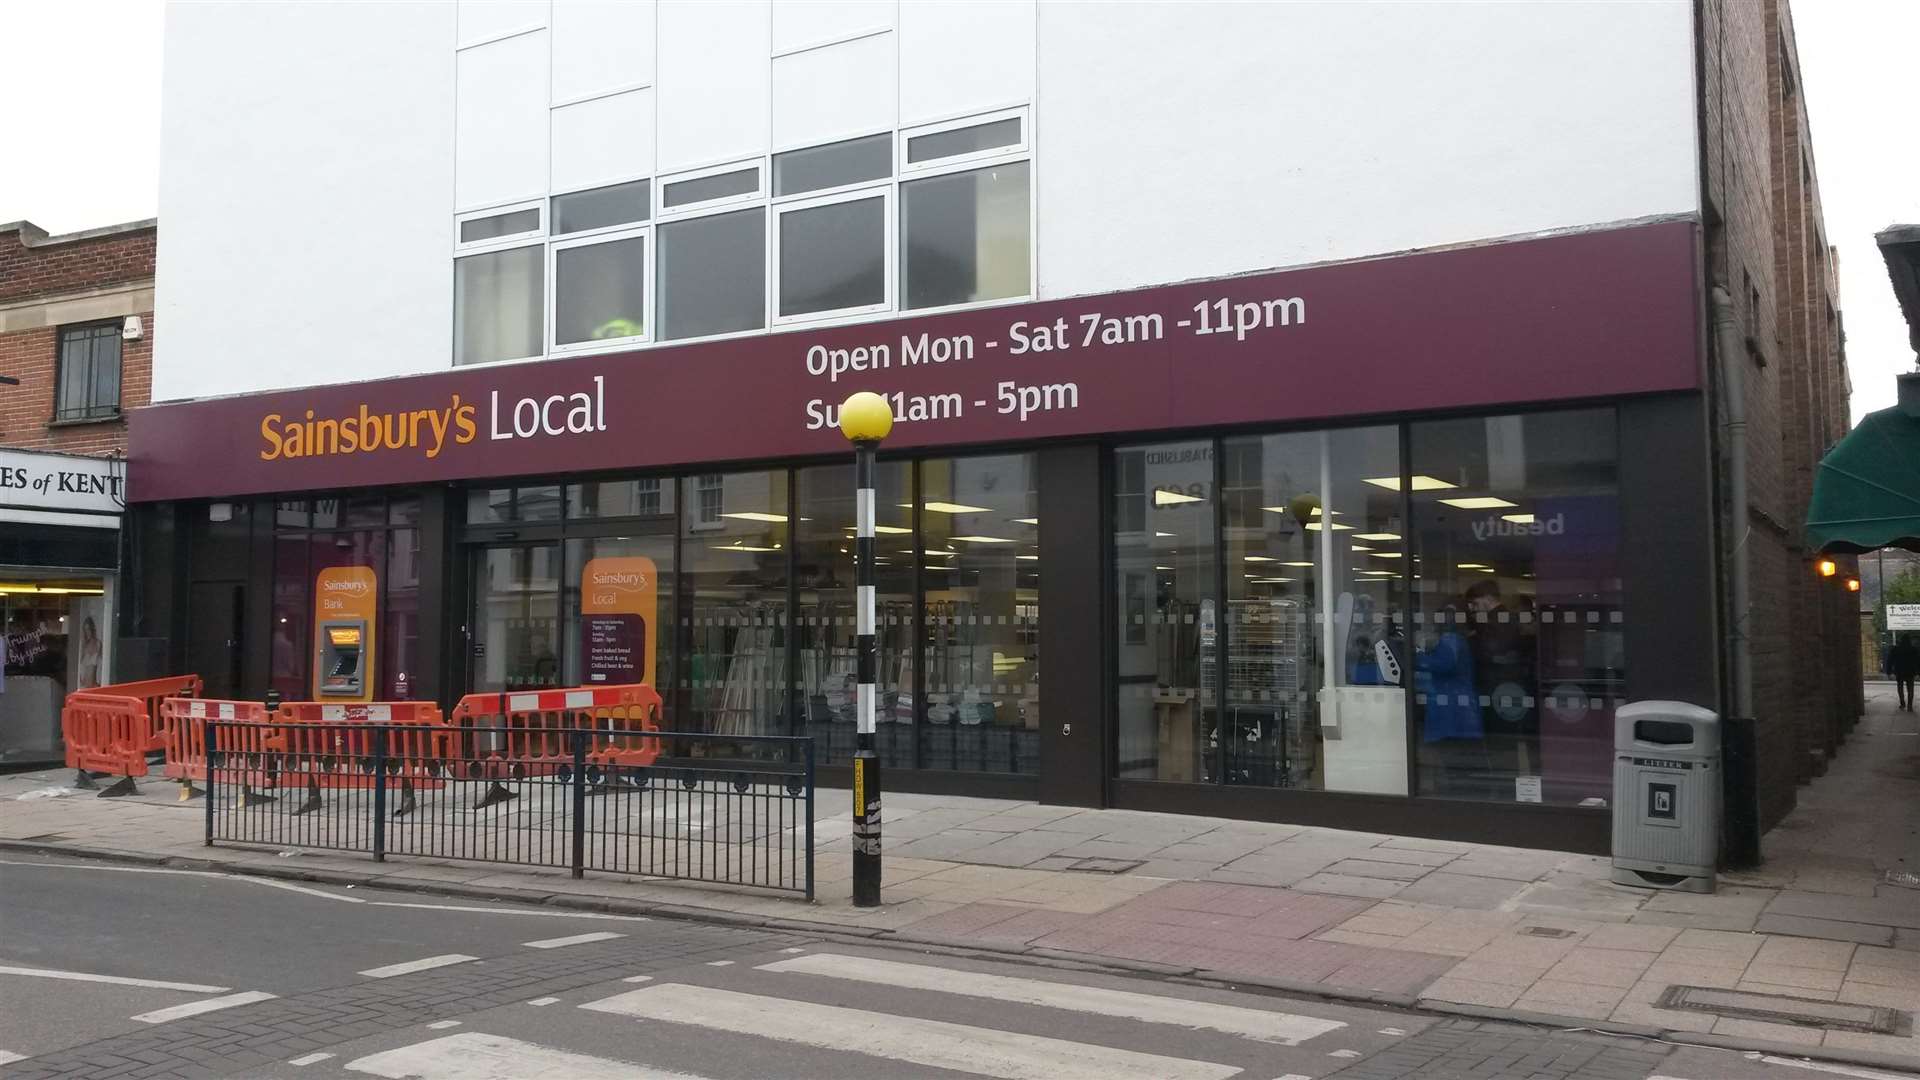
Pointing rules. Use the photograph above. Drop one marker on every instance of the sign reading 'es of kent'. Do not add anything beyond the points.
(1585, 315)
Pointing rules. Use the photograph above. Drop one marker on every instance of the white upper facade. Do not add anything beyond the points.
(354, 191)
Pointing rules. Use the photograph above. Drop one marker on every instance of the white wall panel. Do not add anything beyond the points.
(959, 57)
(600, 45)
(501, 133)
(714, 81)
(308, 214)
(1247, 136)
(798, 24)
(482, 20)
(603, 140)
(834, 92)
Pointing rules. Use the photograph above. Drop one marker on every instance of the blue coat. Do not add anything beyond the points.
(1445, 674)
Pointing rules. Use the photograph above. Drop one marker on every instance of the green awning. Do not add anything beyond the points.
(1866, 493)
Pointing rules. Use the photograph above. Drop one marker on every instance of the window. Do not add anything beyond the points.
(967, 236)
(498, 302)
(819, 168)
(710, 491)
(734, 560)
(832, 256)
(730, 185)
(1518, 652)
(510, 225)
(712, 276)
(964, 141)
(89, 375)
(600, 292)
(601, 208)
(619, 498)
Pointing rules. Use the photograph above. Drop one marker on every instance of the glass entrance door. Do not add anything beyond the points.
(515, 628)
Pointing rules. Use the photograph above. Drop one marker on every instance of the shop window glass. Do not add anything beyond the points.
(55, 638)
(601, 208)
(818, 168)
(600, 291)
(516, 620)
(362, 511)
(1519, 660)
(980, 572)
(498, 305)
(734, 613)
(291, 588)
(486, 506)
(404, 510)
(326, 512)
(1314, 646)
(617, 610)
(965, 236)
(292, 513)
(833, 256)
(824, 624)
(1165, 570)
(399, 629)
(648, 496)
(712, 277)
(539, 503)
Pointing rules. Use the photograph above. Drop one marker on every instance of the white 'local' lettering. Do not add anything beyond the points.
(535, 416)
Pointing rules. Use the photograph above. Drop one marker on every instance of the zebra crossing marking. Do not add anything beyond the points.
(474, 1055)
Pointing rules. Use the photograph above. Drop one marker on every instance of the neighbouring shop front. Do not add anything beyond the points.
(1380, 545)
(59, 564)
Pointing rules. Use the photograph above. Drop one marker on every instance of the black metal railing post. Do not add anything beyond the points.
(809, 811)
(213, 758)
(379, 794)
(579, 803)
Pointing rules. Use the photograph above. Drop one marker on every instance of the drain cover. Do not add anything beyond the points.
(1546, 931)
(1105, 866)
(1783, 1009)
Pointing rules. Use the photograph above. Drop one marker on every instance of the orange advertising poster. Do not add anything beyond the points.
(346, 602)
(619, 609)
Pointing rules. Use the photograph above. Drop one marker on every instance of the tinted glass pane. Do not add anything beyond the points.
(617, 612)
(819, 167)
(490, 228)
(824, 626)
(981, 572)
(516, 624)
(400, 630)
(620, 204)
(538, 503)
(966, 236)
(734, 563)
(404, 510)
(965, 140)
(600, 291)
(488, 505)
(363, 510)
(496, 305)
(713, 274)
(645, 497)
(1164, 560)
(1519, 655)
(688, 192)
(833, 257)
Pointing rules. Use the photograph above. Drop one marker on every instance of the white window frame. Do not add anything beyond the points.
(593, 239)
(883, 190)
(963, 163)
(959, 162)
(473, 247)
(888, 178)
(661, 210)
(546, 300)
(717, 208)
(561, 238)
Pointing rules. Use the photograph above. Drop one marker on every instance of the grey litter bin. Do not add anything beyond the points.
(1666, 795)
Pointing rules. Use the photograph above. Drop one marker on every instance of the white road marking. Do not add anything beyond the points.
(719, 963)
(638, 978)
(1294, 1076)
(442, 1025)
(206, 1005)
(291, 887)
(309, 1059)
(934, 1043)
(8, 1057)
(795, 949)
(1839, 1070)
(270, 883)
(412, 966)
(1287, 1029)
(1343, 1053)
(543, 1001)
(1392, 1031)
(512, 911)
(117, 980)
(577, 939)
(473, 1055)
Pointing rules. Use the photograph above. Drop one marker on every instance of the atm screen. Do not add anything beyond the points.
(344, 635)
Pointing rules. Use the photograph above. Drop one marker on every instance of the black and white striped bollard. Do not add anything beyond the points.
(865, 419)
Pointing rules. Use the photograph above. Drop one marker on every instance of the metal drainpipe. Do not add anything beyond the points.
(1733, 384)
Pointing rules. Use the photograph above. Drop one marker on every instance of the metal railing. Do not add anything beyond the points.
(745, 819)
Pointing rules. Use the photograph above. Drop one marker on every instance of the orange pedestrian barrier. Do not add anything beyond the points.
(330, 746)
(243, 747)
(112, 728)
(510, 735)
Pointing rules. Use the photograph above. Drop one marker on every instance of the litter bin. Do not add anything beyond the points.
(1666, 796)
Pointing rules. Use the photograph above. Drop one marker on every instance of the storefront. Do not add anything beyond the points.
(1379, 544)
(59, 561)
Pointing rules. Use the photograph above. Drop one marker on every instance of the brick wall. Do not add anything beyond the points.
(50, 282)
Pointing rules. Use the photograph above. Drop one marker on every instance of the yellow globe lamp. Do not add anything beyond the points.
(865, 417)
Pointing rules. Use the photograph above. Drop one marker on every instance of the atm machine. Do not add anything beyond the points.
(342, 670)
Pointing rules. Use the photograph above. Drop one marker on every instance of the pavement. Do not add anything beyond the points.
(1822, 941)
(115, 971)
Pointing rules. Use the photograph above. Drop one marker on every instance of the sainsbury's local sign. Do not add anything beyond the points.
(1584, 315)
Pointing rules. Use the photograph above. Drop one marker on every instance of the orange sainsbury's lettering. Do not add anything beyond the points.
(363, 430)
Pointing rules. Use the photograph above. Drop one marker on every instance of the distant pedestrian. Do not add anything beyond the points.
(1903, 663)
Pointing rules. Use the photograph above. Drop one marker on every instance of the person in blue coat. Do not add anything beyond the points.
(1444, 672)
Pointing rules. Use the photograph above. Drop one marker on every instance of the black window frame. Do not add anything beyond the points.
(90, 411)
